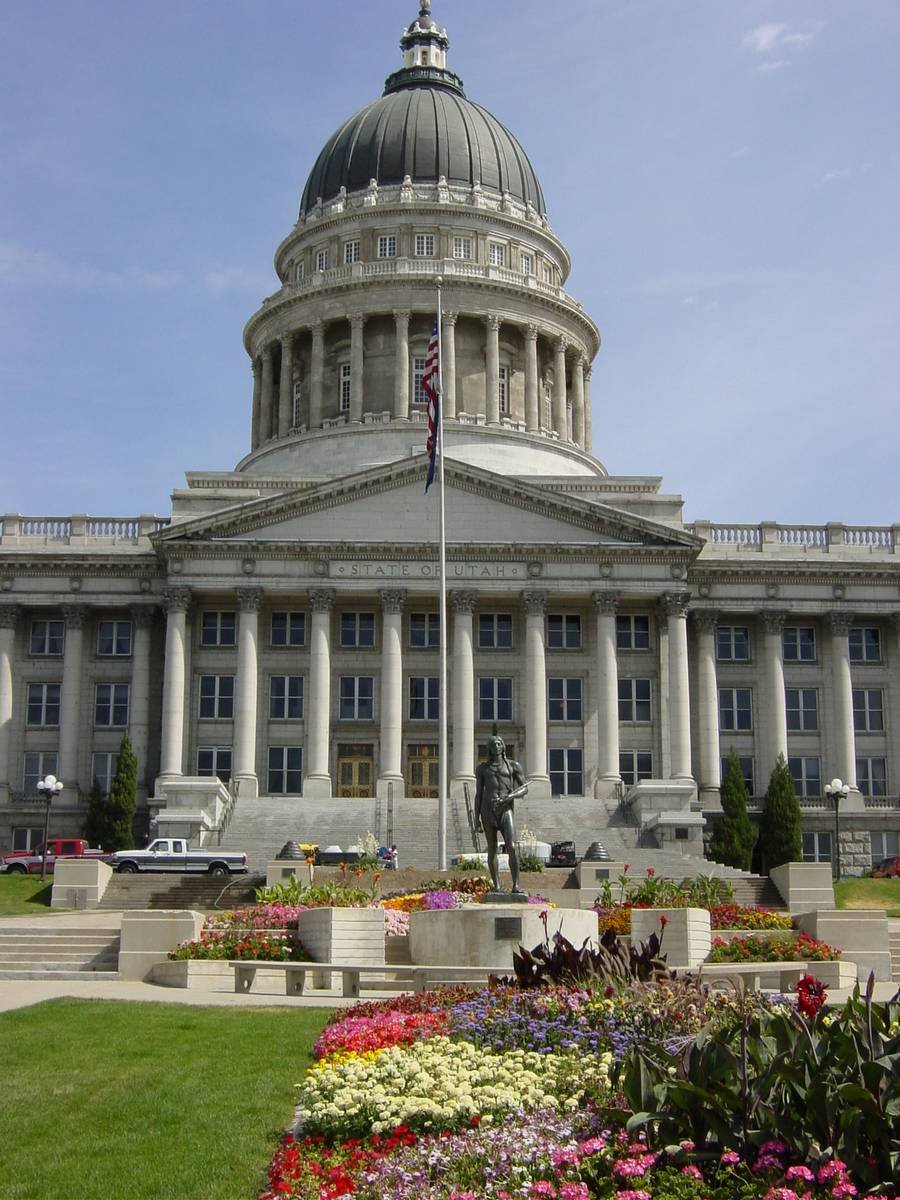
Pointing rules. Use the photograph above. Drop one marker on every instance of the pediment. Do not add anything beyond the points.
(387, 505)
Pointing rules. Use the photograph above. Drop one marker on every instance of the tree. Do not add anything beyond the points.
(779, 838)
(96, 823)
(123, 798)
(735, 834)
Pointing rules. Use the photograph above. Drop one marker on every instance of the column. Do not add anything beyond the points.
(676, 605)
(708, 755)
(286, 385)
(560, 415)
(317, 782)
(9, 616)
(448, 347)
(588, 434)
(357, 323)
(532, 397)
(267, 403)
(842, 759)
(317, 376)
(391, 692)
(246, 783)
(70, 700)
(401, 365)
(142, 616)
(578, 401)
(772, 707)
(492, 371)
(463, 678)
(171, 758)
(606, 683)
(255, 438)
(536, 696)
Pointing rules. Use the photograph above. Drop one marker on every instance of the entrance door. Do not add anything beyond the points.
(355, 771)
(422, 771)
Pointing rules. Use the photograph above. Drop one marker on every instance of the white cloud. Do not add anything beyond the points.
(21, 266)
(774, 37)
(835, 174)
(740, 152)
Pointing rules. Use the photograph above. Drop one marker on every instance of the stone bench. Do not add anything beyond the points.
(406, 977)
(834, 973)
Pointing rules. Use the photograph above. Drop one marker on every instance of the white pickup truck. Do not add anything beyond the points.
(174, 854)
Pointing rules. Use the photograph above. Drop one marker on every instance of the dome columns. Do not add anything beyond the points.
(401, 365)
(560, 407)
(268, 394)
(317, 376)
(357, 323)
(448, 348)
(286, 385)
(578, 400)
(532, 402)
(492, 371)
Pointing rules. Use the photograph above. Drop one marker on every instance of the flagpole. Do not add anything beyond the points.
(442, 619)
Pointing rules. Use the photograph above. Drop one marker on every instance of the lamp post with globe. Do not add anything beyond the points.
(838, 791)
(48, 787)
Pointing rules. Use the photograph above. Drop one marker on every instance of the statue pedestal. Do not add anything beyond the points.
(486, 935)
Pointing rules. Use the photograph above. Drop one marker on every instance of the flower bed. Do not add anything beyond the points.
(772, 948)
(617, 917)
(251, 945)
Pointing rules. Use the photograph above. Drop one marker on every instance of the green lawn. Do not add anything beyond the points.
(105, 1100)
(24, 895)
(869, 893)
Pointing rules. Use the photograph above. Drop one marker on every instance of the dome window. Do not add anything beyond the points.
(321, 260)
(419, 396)
(299, 272)
(497, 254)
(503, 387)
(548, 273)
(424, 245)
(462, 247)
(527, 264)
(351, 252)
(344, 394)
(387, 246)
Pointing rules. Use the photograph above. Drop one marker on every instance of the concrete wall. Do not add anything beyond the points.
(148, 936)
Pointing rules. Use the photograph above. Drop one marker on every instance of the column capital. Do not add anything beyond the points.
(9, 615)
(143, 615)
(317, 329)
(249, 598)
(606, 602)
(287, 341)
(450, 316)
(321, 599)
(705, 619)
(840, 622)
(463, 601)
(267, 351)
(675, 604)
(492, 322)
(392, 599)
(587, 371)
(75, 614)
(561, 344)
(357, 321)
(531, 333)
(773, 620)
(535, 603)
(177, 599)
(401, 316)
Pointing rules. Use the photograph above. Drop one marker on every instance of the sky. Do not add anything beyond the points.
(724, 174)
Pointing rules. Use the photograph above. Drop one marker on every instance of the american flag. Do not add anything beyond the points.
(430, 388)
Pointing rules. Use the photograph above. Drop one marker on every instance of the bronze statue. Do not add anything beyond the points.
(499, 783)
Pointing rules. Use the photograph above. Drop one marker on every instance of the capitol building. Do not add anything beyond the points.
(272, 644)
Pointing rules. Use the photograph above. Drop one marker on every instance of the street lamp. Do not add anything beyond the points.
(49, 787)
(838, 791)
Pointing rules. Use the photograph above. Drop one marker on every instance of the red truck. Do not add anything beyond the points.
(29, 862)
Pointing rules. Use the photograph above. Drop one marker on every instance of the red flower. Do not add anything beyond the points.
(664, 920)
(650, 872)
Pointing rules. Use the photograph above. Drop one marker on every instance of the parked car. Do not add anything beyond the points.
(174, 854)
(30, 862)
(888, 868)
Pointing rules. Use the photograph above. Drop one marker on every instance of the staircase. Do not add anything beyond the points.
(894, 943)
(199, 892)
(48, 954)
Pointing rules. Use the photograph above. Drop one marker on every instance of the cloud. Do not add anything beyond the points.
(774, 38)
(836, 173)
(740, 152)
(21, 266)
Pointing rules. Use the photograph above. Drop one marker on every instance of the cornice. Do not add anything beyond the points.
(815, 573)
(147, 567)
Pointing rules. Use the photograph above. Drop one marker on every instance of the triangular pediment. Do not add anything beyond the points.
(387, 504)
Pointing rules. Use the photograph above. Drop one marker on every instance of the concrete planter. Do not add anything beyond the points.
(687, 938)
(486, 935)
(343, 935)
(188, 972)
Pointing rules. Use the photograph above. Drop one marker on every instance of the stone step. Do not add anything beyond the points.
(162, 891)
(894, 944)
(28, 962)
(54, 954)
(62, 973)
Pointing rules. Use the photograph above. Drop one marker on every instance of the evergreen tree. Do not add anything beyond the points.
(735, 834)
(123, 798)
(779, 838)
(96, 823)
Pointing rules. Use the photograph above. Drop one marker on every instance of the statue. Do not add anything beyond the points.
(499, 783)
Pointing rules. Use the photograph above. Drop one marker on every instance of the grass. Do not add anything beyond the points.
(24, 895)
(869, 893)
(106, 1100)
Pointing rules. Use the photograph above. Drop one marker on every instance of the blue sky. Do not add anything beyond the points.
(724, 175)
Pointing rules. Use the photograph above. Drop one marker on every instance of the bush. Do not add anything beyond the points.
(779, 839)
(777, 948)
(252, 945)
(469, 864)
(332, 894)
(530, 862)
(735, 834)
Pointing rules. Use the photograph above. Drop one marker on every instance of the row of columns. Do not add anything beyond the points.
(273, 400)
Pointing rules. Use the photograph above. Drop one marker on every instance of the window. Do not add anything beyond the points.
(548, 406)
(633, 633)
(419, 396)
(351, 252)
(356, 703)
(286, 698)
(746, 765)
(806, 776)
(799, 643)
(217, 697)
(884, 844)
(214, 760)
(424, 631)
(299, 272)
(564, 631)
(868, 710)
(357, 629)
(564, 699)
(103, 770)
(424, 247)
(38, 764)
(495, 631)
(43, 704)
(285, 770)
(114, 638)
(734, 709)
(321, 260)
(527, 264)
(802, 706)
(548, 273)
(288, 628)
(635, 765)
(424, 691)
(732, 643)
(871, 776)
(48, 637)
(494, 699)
(387, 247)
(634, 699)
(865, 645)
(462, 247)
(27, 837)
(497, 255)
(503, 390)
(817, 847)
(344, 386)
(566, 777)
(217, 629)
(111, 704)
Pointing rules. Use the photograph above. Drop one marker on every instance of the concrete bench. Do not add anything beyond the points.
(834, 974)
(406, 977)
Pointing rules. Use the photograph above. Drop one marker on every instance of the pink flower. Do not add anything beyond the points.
(780, 1193)
(629, 1168)
(696, 1173)
(592, 1146)
(730, 1158)
(562, 1158)
(633, 1194)
(773, 1147)
(844, 1188)
(835, 1167)
(541, 1188)
(688, 1145)
(803, 1173)
(574, 1191)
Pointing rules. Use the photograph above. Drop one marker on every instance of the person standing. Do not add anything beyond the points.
(395, 858)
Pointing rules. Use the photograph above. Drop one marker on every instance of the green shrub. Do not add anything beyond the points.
(735, 834)
(530, 862)
(331, 894)
(469, 864)
(779, 837)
